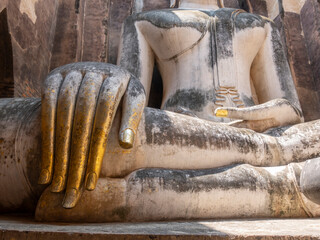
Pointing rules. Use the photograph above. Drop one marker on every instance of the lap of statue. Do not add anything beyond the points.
(164, 140)
(107, 157)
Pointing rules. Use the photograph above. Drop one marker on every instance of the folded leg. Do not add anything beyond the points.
(158, 194)
(164, 140)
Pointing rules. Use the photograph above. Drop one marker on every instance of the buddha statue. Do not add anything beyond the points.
(224, 143)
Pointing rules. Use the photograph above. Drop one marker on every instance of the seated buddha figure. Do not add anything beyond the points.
(223, 144)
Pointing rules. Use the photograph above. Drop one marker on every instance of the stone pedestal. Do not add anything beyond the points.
(24, 227)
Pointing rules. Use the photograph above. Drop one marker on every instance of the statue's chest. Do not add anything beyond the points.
(215, 60)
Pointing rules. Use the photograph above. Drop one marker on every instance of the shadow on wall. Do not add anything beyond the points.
(6, 58)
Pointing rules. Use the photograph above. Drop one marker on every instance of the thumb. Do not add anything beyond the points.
(132, 109)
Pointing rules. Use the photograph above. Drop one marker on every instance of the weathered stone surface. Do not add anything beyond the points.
(81, 32)
(87, 21)
(292, 6)
(6, 63)
(259, 7)
(310, 20)
(65, 43)
(94, 32)
(231, 3)
(310, 99)
(88, 31)
(15, 227)
(273, 8)
(302, 44)
(47, 35)
(297, 53)
(32, 24)
(3, 4)
(119, 10)
(152, 5)
(300, 67)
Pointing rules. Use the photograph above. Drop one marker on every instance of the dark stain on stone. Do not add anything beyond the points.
(77, 6)
(192, 99)
(168, 134)
(284, 201)
(277, 131)
(121, 212)
(281, 10)
(248, 20)
(166, 18)
(282, 66)
(135, 87)
(161, 130)
(131, 51)
(225, 178)
(248, 101)
(222, 30)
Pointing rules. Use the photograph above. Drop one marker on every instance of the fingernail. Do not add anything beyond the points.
(44, 177)
(221, 113)
(127, 139)
(70, 198)
(91, 181)
(57, 184)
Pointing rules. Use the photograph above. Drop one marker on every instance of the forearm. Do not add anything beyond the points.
(275, 113)
(20, 154)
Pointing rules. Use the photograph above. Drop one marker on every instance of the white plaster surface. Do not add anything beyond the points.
(273, 8)
(28, 7)
(293, 5)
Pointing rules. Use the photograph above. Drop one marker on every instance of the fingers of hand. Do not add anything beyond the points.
(133, 106)
(81, 133)
(280, 109)
(110, 95)
(220, 112)
(65, 111)
(248, 113)
(48, 114)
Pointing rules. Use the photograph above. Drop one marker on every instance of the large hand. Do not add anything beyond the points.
(79, 102)
(275, 113)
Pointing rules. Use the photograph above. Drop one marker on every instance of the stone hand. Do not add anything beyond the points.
(79, 102)
(275, 113)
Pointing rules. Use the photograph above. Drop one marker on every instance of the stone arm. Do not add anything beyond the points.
(274, 86)
(135, 53)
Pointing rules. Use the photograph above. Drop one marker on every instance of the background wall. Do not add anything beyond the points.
(39, 35)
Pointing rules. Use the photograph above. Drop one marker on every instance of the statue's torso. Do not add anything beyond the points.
(204, 57)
